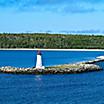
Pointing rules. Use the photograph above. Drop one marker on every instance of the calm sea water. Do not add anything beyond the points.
(28, 58)
(86, 88)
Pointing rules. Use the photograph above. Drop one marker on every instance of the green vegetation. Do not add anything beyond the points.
(45, 40)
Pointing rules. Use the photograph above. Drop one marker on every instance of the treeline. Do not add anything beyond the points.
(45, 40)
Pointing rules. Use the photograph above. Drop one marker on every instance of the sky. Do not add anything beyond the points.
(62, 16)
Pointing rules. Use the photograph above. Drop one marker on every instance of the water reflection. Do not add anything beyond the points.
(38, 77)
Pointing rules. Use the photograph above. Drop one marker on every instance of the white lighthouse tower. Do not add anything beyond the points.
(39, 61)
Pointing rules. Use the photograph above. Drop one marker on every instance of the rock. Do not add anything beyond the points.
(59, 69)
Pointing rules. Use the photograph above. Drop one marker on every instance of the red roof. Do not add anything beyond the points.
(38, 52)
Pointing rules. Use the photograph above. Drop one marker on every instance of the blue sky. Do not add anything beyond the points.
(84, 16)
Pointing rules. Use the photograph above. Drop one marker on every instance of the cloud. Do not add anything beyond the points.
(72, 6)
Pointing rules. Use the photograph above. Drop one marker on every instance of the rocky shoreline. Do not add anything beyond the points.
(81, 67)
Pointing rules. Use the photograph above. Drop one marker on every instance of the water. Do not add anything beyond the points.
(86, 88)
(28, 58)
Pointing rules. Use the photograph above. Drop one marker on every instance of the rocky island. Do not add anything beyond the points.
(88, 66)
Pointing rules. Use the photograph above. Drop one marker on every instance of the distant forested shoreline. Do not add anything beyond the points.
(54, 41)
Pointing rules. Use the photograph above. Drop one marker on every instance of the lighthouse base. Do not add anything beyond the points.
(43, 67)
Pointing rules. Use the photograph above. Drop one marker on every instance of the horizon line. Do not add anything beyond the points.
(96, 34)
(35, 49)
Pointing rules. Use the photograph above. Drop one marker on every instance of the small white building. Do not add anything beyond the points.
(39, 61)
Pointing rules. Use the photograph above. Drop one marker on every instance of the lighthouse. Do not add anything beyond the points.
(39, 61)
